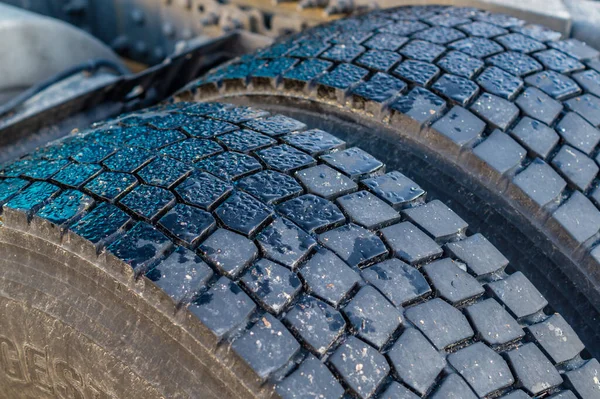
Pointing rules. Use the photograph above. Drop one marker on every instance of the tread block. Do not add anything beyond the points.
(584, 380)
(316, 323)
(538, 32)
(274, 68)
(365, 209)
(557, 339)
(379, 88)
(483, 369)
(443, 324)
(75, 175)
(10, 187)
(404, 27)
(496, 111)
(501, 152)
(205, 128)
(421, 105)
(538, 105)
(43, 169)
(421, 50)
(477, 47)
(500, 83)
(482, 29)
(203, 190)
(447, 20)
(152, 139)
(589, 80)
(578, 132)
(516, 394)
(203, 109)
(128, 160)
(101, 223)
(148, 202)
(314, 142)
(579, 217)
(283, 242)
(378, 60)
(237, 114)
(267, 347)
(325, 182)
(456, 88)
(397, 391)
(518, 294)
(167, 121)
(576, 167)
(328, 277)
(343, 76)
(385, 41)
(541, 183)
(245, 140)
(343, 52)
(276, 125)
(519, 42)
(373, 317)
(587, 106)
(164, 172)
(411, 244)
(192, 150)
(453, 387)
(480, 256)
(243, 213)
(312, 213)
(439, 35)
(502, 20)
(270, 187)
(451, 282)
(576, 49)
(537, 138)
(188, 224)
(308, 70)
(223, 308)
(564, 395)
(418, 72)
(354, 162)
(439, 221)
(311, 380)
(273, 285)
(399, 282)
(361, 367)
(558, 61)
(229, 252)
(494, 325)
(356, 245)
(181, 275)
(534, 373)
(286, 159)
(66, 206)
(396, 189)
(554, 84)
(110, 186)
(460, 64)
(230, 165)
(416, 363)
(460, 126)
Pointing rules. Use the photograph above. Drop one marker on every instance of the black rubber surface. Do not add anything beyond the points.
(324, 272)
(507, 103)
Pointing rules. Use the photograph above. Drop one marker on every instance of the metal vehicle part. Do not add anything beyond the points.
(149, 30)
(35, 47)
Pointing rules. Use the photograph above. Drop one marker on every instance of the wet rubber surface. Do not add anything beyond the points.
(323, 271)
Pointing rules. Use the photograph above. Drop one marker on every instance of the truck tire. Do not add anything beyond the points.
(495, 117)
(204, 250)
